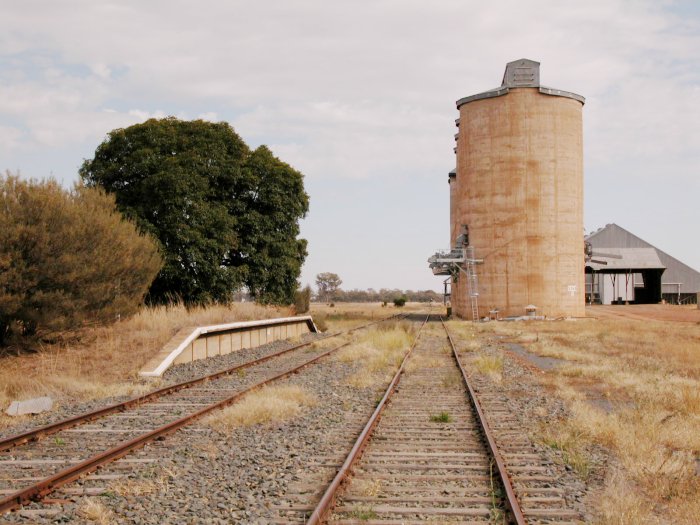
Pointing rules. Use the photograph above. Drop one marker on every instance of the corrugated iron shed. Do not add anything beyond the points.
(677, 274)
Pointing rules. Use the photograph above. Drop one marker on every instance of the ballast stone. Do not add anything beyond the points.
(30, 406)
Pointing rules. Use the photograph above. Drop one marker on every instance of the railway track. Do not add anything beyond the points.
(427, 454)
(36, 463)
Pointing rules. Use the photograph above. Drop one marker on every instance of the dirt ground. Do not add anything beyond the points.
(646, 312)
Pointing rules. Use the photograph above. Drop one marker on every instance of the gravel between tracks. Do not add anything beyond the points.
(204, 476)
(175, 374)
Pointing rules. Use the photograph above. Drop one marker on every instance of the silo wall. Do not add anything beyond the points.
(454, 218)
(520, 190)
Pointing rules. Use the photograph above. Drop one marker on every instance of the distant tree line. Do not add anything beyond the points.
(328, 289)
(382, 295)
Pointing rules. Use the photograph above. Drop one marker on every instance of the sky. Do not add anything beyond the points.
(360, 97)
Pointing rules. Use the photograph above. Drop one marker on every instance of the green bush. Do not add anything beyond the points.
(302, 300)
(67, 258)
(225, 216)
(399, 301)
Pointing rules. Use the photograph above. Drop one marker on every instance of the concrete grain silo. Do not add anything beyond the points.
(517, 195)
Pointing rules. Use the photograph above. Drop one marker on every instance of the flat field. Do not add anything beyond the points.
(642, 312)
(630, 378)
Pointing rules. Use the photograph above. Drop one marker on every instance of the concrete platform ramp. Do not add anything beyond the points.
(192, 343)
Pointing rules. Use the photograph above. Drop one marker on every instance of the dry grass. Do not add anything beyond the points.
(464, 335)
(620, 505)
(491, 365)
(572, 443)
(105, 361)
(363, 380)
(633, 387)
(269, 403)
(452, 379)
(93, 510)
(344, 316)
(421, 362)
(135, 487)
(367, 488)
(154, 480)
(379, 350)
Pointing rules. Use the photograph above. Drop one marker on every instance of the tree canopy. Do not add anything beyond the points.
(225, 216)
(328, 284)
(67, 258)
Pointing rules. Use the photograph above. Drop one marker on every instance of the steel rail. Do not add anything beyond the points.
(52, 428)
(326, 502)
(512, 502)
(48, 485)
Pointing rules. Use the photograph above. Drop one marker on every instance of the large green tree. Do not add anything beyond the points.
(217, 208)
(268, 212)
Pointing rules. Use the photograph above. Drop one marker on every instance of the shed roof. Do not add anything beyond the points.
(630, 259)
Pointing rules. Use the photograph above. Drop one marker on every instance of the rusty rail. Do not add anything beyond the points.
(512, 502)
(328, 497)
(48, 485)
(52, 428)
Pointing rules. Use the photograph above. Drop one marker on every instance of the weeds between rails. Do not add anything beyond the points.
(364, 445)
(47, 485)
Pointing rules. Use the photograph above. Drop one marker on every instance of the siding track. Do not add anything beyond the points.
(36, 463)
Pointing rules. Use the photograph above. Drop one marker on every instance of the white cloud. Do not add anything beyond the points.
(10, 138)
(358, 89)
(101, 71)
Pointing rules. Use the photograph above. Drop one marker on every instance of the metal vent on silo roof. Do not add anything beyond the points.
(522, 73)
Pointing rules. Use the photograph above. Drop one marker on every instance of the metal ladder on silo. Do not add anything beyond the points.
(472, 282)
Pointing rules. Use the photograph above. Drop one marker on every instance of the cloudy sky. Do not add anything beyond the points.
(359, 96)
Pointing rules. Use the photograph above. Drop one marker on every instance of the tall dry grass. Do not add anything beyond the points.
(269, 403)
(343, 316)
(105, 361)
(634, 388)
(491, 365)
(378, 350)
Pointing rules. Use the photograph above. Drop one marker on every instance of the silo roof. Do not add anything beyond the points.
(523, 73)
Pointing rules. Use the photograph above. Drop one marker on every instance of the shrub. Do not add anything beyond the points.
(400, 301)
(302, 300)
(442, 417)
(67, 258)
(320, 322)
